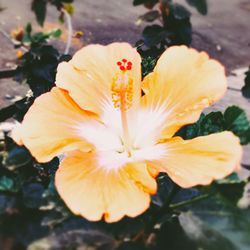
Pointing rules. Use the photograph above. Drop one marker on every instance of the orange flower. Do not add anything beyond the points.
(115, 141)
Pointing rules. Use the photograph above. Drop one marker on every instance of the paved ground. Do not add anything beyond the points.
(224, 33)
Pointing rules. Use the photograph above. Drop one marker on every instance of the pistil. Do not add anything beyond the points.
(122, 96)
(124, 120)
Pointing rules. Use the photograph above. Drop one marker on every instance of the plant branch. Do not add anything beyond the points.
(188, 202)
(70, 31)
(158, 214)
(8, 73)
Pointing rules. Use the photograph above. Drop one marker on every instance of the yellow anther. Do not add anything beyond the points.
(122, 90)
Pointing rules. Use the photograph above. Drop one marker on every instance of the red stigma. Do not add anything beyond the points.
(124, 65)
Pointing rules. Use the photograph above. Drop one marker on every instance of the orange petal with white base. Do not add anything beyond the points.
(89, 75)
(183, 83)
(95, 192)
(201, 160)
(49, 127)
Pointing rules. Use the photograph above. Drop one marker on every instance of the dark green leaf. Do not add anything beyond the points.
(231, 191)
(177, 22)
(224, 218)
(28, 28)
(147, 3)
(150, 16)
(202, 235)
(138, 2)
(212, 123)
(148, 65)
(234, 119)
(172, 236)
(207, 124)
(237, 122)
(153, 35)
(32, 195)
(39, 7)
(246, 88)
(200, 5)
(17, 157)
(179, 12)
(6, 184)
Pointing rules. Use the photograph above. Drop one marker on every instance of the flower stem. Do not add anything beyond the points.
(188, 202)
(124, 120)
(70, 31)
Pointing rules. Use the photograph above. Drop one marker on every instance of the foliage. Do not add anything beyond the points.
(246, 88)
(39, 7)
(175, 28)
(234, 119)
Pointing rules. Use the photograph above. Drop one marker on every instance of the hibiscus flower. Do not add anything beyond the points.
(117, 131)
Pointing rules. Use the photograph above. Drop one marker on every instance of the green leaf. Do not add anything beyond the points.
(153, 35)
(55, 33)
(32, 195)
(179, 12)
(224, 218)
(211, 123)
(237, 122)
(138, 2)
(231, 191)
(147, 3)
(39, 8)
(177, 22)
(148, 65)
(246, 88)
(234, 119)
(203, 235)
(200, 5)
(6, 184)
(28, 28)
(17, 157)
(207, 124)
(150, 16)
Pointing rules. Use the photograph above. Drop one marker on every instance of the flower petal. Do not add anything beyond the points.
(88, 76)
(50, 126)
(183, 83)
(93, 192)
(201, 160)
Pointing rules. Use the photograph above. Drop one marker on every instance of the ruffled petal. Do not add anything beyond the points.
(183, 83)
(94, 192)
(51, 126)
(201, 160)
(88, 76)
